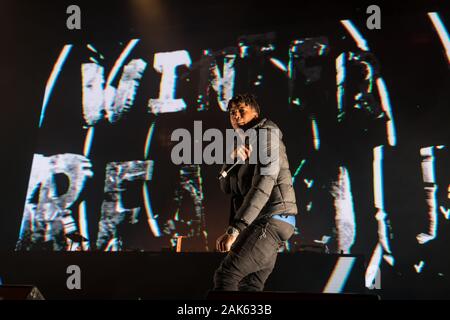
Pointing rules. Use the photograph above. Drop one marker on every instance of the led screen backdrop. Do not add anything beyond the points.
(364, 115)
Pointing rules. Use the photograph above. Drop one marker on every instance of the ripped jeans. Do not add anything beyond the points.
(252, 257)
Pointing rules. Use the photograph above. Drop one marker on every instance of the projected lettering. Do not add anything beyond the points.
(128, 97)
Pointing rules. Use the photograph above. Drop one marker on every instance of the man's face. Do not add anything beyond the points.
(242, 114)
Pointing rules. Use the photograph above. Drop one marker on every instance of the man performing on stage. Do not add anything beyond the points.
(263, 205)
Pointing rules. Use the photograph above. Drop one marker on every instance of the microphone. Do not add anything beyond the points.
(224, 173)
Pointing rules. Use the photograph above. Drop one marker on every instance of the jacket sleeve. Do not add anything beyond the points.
(263, 181)
(225, 182)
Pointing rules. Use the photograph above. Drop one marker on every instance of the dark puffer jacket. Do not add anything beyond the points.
(254, 193)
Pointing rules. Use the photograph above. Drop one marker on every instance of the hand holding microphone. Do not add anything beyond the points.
(241, 153)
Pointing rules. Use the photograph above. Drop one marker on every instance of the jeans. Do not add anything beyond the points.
(252, 256)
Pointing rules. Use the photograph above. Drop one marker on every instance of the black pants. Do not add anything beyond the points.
(252, 257)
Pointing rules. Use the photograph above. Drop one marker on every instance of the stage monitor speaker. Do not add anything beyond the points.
(286, 295)
(19, 292)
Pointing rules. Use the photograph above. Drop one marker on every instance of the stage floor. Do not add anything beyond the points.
(168, 275)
